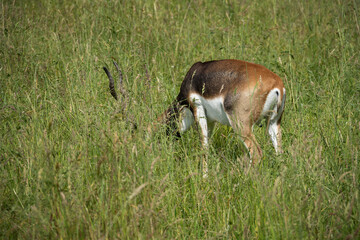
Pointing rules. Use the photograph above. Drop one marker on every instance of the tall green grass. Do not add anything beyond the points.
(73, 168)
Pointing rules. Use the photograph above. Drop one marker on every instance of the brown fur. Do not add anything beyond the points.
(243, 85)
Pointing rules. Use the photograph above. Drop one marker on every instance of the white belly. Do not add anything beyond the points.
(214, 108)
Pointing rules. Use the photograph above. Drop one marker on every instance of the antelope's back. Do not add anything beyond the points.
(215, 78)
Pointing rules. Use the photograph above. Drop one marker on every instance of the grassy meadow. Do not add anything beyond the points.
(72, 166)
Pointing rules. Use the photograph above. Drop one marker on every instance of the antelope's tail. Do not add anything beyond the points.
(281, 101)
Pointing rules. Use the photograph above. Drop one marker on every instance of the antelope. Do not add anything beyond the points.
(231, 92)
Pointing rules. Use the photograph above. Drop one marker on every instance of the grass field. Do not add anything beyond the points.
(71, 166)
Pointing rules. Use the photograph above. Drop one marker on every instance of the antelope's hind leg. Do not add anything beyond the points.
(274, 129)
(249, 140)
(242, 125)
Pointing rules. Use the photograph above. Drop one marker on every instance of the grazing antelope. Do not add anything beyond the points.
(231, 92)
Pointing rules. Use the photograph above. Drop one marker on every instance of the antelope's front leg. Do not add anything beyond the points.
(200, 118)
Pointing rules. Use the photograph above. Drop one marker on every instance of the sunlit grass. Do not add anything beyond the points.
(73, 167)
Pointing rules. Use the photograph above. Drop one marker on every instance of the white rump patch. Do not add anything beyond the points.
(270, 106)
(271, 110)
